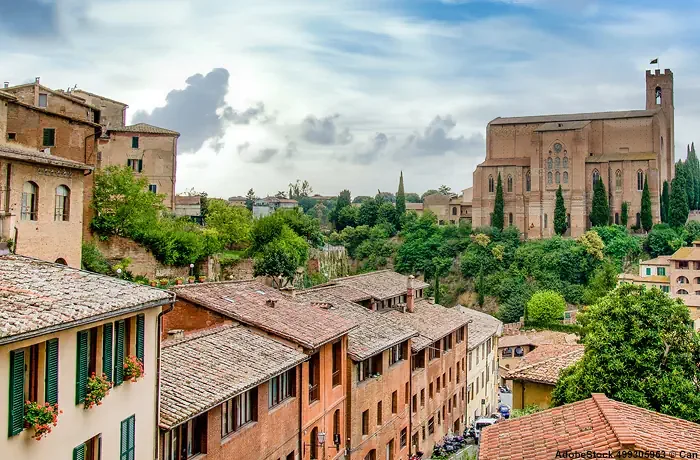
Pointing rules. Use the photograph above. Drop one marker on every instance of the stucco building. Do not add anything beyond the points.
(449, 209)
(536, 154)
(65, 325)
(265, 206)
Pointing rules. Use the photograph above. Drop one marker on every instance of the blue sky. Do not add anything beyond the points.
(347, 93)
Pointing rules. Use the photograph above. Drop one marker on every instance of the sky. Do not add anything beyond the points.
(347, 94)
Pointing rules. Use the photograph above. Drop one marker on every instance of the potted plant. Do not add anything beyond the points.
(133, 368)
(97, 388)
(154, 283)
(163, 282)
(40, 417)
(202, 278)
(178, 281)
(190, 279)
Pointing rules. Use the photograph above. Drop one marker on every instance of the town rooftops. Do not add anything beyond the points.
(414, 206)
(382, 284)
(505, 162)
(21, 153)
(46, 89)
(545, 363)
(274, 199)
(206, 368)
(55, 114)
(687, 253)
(575, 117)
(187, 200)
(143, 128)
(515, 341)
(661, 260)
(38, 297)
(643, 279)
(595, 424)
(432, 321)
(261, 306)
(482, 326)
(376, 331)
(78, 90)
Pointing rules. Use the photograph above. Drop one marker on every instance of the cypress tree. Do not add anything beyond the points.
(560, 214)
(625, 213)
(696, 175)
(646, 207)
(665, 199)
(678, 207)
(497, 219)
(600, 212)
(400, 199)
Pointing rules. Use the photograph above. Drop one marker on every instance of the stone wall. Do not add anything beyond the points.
(142, 261)
(331, 261)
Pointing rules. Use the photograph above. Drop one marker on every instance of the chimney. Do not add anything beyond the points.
(289, 290)
(176, 333)
(37, 80)
(270, 303)
(409, 294)
(6, 84)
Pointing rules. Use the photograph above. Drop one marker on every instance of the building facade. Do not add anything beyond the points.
(535, 155)
(266, 206)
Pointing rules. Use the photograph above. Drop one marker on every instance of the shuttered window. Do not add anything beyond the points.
(81, 368)
(16, 421)
(140, 336)
(79, 452)
(49, 137)
(127, 444)
(119, 353)
(107, 350)
(51, 386)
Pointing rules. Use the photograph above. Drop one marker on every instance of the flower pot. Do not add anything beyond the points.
(178, 282)
(202, 279)
(190, 280)
(153, 284)
(163, 282)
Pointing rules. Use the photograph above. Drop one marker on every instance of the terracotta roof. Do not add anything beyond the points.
(187, 200)
(505, 162)
(482, 326)
(98, 96)
(41, 297)
(143, 128)
(382, 284)
(432, 321)
(661, 260)
(688, 253)
(21, 153)
(575, 117)
(348, 293)
(596, 424)
(563, 126)
(414, 206)
(246, 301)
(545, 363)
(59, 93)
(644, 279)
(514, 341)
(376, 331)
(621, 156)
(209, 367)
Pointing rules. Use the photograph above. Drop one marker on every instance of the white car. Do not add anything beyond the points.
(480, 424)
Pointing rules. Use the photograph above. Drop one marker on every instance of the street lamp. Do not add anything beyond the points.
(119, 273)
(191, 269)
(321, 438)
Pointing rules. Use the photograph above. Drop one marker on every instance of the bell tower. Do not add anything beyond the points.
(660, 95)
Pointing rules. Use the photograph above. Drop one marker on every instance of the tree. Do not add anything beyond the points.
(299, 190)
(250, 199)
(545, 307)
(560, 214)
(691, 168)
(413, 198)
(440, 267)
(400, 199)
(678, 203)
(369, 212)
(204, 205)
(624, 217)
(646, 207)
(696, 174)
(343, 201)
(428, 193)
(603, 281)
(387, 214)
(592, 243)
(497, 218)
(281, 257)
(281, 194)
(665, 203)
(361, 199)
(600, 212)
(347, 217)
(640, 348)
(445, 190)
(232, 223)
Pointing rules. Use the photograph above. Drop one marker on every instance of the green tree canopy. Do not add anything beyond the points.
(428, 193)
(625, 214)
(546, 307)
(400, 199)
(281, 257)
(413, 198)
(600, 212)
(678, 203)
(232, 223)
(665, 202)
(250, 199)
(342, 201)
(299, 189)
(347, 217)
(444, 190)
(497, 218)
(369, 213)
(640, 349)
(560, 223)
(646, 207)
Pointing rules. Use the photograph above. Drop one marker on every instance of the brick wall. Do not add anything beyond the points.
(190, 317)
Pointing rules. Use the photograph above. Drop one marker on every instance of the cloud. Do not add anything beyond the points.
(199, 112)
(372, 150)
(324, 131)
(264, 155)
(436, 140)
(22, 17)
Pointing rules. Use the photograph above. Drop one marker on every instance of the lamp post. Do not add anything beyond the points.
(119, 273)
(191, 269)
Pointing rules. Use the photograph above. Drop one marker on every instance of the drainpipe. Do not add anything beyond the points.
(301, 400)
(410, 401)
(466, 373)
(14, 246)
(159, 328)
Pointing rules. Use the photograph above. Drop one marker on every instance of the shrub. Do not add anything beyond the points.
(546, 307)
(93, 260)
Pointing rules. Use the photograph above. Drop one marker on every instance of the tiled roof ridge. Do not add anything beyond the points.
(101, 97)
(360, 275)
(184, 287)
(167, 343)
(545, 361)
(614, 419)
(59, 92)
(23, 153)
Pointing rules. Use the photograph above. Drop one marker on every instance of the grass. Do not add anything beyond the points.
(231, 256)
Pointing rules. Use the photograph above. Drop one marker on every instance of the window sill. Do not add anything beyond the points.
(281, 404)
(226, 439)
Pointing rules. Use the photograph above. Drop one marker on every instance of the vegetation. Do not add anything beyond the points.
(231, 223)
(665, 203)
(600, 212)
(497, 218)
(560, 223)
(400, 199)
(545, 307)
(646, 207)
(528, 410)
(250, 200)
(678, 204)
(624, 217)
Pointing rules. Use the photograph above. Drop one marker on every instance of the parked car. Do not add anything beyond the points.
(480, 424)
(504, 410)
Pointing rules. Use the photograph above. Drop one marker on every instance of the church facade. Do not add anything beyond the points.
(536, 154)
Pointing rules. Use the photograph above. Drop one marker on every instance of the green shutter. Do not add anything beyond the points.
(140, 335)
(119, 354)
(107, 350)
(132, 437)
(49, 137)
(81, 367)
(51, 393)
(16, 422)
(127, 441)
(134, 142)
(79, 452)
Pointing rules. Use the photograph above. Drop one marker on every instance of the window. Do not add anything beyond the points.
(431, 425)
(682, 280)
(510, 218)
(422, 397)
(661, 271)
(135, 165)
(313, 443)
(415, 403)
(683, 264)
(648, 271)
(618, 180)
(379, 413)
(239, 411)
(127, 449)
(395, 402)
(336, 424)
(657, 94)
(439, 418)
(30, 201)
(470, 360)
(447, 343)
(639, 220)
(435, 350)
(437, 386)
(528, 181)
(153, 188)
(397, 353)
(449, 373)
(490, 184)
(43, 100)
(337, 360)
(617, 218)
(682, 292)
(281, 387)
(187, 440)
(365, 423)
(471, 391)
(565, 162)
(371, 455)
(596, 177)
(290, 456)
(89, 450)
(418, 361)
(430, 390)
(314, 377)
(665, 289)
(566, 177)
(49, 137)
(460, 334)
(11, 136)
(640, 180)
(549, 163)
(454, 211)
(444, 380)
(414, 440)
(406, 395)
(557, 178)
(403, 438)
(545, 221)
(62, 209)
(135, 142)
(549, 177)
(390, 450)
(510, 184)
(423, 432)
(370, 367)
(557, 162)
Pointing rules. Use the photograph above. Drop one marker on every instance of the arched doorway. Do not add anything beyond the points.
(61, 261)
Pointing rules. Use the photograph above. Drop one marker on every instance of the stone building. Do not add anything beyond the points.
(265, 206)
(449, 209)
(41, 204)
(536, 154)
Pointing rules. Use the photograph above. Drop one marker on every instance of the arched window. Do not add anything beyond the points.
(556, 162)
(528, 181)
(490, 184)
(682, 280)
(566, 177)
(549, 163)
(545, 221)
(61, 261)
(618, 180)
(557, 177)
(549, 177)
(596, 177)
(696, 281)
(565, 162)
(372, 454)
(682, 292)
(62, 208)
(510, 184)
(30, 201)
(662, 143)
(510, 218)
(313, 442)
(617, 218)
(336, 423)
(454, 211)
(640, 180)
(658, 95)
